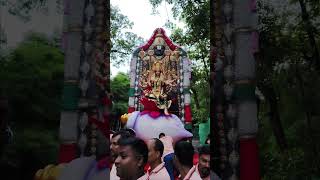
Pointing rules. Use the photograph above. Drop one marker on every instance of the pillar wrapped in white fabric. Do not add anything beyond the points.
(133, 65)
(72, 57)
(68, 130)
(187, 99)
(244, 59)
(242, 16)
(247, 118)
(186, 72)
(75, 17)
(131, 101)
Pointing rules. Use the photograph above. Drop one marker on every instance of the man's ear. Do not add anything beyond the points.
(158, 154)
(140, 161)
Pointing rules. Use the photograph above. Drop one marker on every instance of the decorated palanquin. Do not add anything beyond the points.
(159, 101)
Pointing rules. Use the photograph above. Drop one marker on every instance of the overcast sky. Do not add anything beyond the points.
(138, 11)
(15, 28)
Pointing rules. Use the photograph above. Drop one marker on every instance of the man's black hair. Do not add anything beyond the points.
(137, 145)
(161, 134)
(205, 149)
(158, 146)
(131, 131)
(184, 152)
(122, 133)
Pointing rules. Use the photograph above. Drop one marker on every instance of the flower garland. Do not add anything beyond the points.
(218, 75)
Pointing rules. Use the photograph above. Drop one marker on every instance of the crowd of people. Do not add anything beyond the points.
(158, 158)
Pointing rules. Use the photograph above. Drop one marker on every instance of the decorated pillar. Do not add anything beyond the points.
(86, 44)
(246, 46)
(72, 36)
(234, 108)
(220, 68)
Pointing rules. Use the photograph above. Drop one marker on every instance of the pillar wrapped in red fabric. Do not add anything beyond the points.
(131, 109)
(249, 159)
(67, 152)
(187, 114)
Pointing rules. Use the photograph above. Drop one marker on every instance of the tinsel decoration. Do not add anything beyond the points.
(84, 69)
(232, 172)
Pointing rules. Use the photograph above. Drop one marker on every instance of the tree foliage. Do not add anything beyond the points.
(24, 8)
(123, 41)
(120, 85)
(32, 79)
(287, 77)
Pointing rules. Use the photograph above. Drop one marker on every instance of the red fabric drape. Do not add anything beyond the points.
(165, 37)
(249, 160)
(67, 152)
(102, 126)
(187, 114)
(104, 163)
(131, 109)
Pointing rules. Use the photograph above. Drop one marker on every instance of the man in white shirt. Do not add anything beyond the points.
(114, 147)
(156, 171)
(167, 142)
(203, 167)
(168, 153)
(133, 156)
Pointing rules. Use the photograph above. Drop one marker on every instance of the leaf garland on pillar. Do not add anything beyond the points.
(218, 84)
(232, 169)
(94, 69)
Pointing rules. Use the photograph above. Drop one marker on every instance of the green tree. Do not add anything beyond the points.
(24, 8)
(123, 42)
(120, 85)
(32, 79)
(287, 73)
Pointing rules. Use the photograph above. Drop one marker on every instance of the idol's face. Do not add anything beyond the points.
(159, 50)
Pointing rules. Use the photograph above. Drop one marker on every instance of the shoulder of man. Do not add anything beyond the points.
(77, 168)
(144, 177)
(214, 176)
